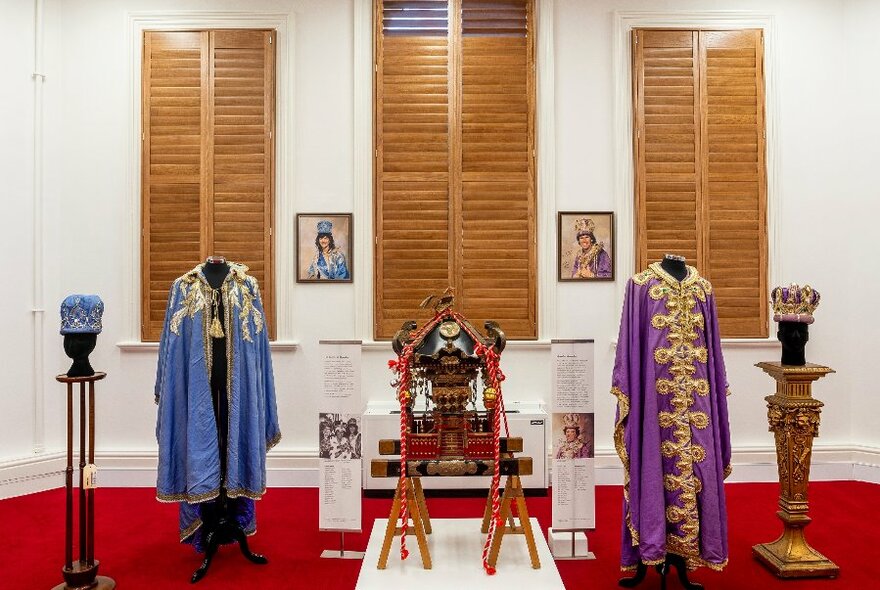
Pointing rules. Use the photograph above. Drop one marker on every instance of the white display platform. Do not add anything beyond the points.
(456, 546)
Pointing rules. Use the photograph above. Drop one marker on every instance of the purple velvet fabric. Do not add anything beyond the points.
(672, 429)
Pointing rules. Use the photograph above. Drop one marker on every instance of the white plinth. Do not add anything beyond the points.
(456, 546)
(569, 545)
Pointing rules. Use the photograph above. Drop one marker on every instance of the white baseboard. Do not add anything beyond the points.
(297, 468)
(32, 474)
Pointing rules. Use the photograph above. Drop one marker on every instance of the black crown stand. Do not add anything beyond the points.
(81, 574)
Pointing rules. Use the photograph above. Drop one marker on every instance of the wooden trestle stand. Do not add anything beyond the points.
(793, 414)
(511, 468)
(81, 574)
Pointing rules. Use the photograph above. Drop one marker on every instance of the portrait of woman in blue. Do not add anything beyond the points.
(329, 261)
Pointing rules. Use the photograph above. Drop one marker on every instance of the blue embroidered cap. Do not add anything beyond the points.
(325, 226)
(81, 314)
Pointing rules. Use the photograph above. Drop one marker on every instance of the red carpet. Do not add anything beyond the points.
(136, 541)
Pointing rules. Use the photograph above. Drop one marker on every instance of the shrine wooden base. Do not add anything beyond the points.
(418, 511)
(421, 527)
(513, 494)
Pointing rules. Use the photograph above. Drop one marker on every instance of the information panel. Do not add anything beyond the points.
(573, 482)
(339, 437)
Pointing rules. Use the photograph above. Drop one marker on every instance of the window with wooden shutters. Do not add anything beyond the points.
(208, 159)
(455, 154)
(700, 163)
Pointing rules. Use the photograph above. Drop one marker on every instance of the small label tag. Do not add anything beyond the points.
(90, 476)
(537, 422)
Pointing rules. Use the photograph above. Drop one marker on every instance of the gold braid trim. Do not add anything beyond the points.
(188, 498)
(620, 446)
(273, 441)
(692, 561)
(199, 498)
(190, 530)
(240, 492)
(727, 471)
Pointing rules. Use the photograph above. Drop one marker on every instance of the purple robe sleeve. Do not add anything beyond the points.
(603, 265)
(627, 381)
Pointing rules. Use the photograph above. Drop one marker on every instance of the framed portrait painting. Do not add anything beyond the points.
(324, 243)
(585, 248)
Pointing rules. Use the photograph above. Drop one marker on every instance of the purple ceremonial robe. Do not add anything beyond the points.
(599, 265)
(671, 431)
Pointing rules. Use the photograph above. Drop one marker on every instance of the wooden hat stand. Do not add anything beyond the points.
(83, 573)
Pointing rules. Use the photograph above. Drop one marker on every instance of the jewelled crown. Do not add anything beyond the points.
(325, 226)
(81, 314)
(584, 225)
(794, 303)
(570, 421)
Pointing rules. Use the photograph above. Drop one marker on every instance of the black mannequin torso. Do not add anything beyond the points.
(215, 270)
(675, 266)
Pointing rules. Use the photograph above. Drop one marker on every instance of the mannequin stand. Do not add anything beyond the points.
(662, 569)
(84, 572)
(223, 530)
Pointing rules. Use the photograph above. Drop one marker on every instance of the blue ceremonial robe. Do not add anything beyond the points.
(332, 266)
(189, 456)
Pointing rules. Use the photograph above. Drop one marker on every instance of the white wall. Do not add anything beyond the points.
(16, 223)
(860, 188)
(89, 242)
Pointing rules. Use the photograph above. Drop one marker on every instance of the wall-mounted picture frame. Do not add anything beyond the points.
(585, 247)
(324, 247)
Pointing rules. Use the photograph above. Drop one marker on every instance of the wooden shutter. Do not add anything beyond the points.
(699, 158)
(208, 157)
(412, 159)
(240, 200)
(667, 112)
(734, 183)
(454, 166)
(174, 117)
(496, 277)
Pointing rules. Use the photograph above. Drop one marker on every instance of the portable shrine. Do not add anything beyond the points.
(448, 383)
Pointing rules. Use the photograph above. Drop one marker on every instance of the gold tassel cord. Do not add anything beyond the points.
(216, 330)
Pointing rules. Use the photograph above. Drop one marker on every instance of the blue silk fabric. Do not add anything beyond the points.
(189, 456)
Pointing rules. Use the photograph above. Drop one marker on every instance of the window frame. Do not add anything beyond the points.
(623, 118)
(284, 24)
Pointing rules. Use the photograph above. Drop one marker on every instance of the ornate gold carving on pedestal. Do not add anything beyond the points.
(793, 415)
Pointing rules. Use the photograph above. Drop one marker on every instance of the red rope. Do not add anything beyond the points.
(402, 368)
(404, 507)
(492, 363)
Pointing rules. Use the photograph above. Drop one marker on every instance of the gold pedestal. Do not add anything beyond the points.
(793, 414)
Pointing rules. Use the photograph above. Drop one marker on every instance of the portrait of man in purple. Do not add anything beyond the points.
(671, 431)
